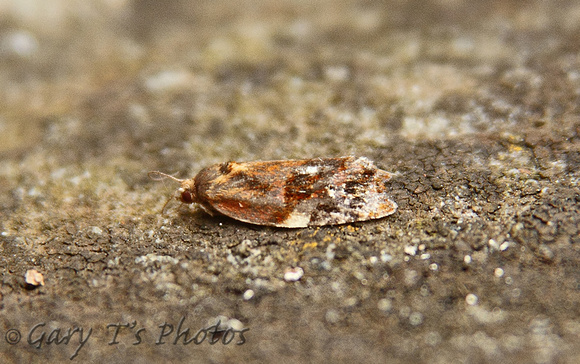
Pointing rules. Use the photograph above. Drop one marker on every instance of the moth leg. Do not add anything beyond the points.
(208, 210)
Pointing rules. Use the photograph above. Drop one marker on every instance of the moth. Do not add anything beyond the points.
(290, 193)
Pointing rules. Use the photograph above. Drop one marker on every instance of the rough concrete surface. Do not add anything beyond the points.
(474, 105)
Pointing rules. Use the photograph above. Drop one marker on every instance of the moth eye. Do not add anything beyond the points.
(186, 197)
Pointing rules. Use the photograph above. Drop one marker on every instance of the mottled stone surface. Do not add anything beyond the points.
(475, 105)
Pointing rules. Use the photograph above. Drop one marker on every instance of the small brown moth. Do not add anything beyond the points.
(290, 193)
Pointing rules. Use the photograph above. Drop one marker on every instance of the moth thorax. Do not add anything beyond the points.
(187, 192)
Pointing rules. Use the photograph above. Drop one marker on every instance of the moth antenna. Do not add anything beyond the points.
(159, 176)
(165, 204)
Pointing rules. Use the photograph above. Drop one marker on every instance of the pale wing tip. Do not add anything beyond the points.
(392, 207)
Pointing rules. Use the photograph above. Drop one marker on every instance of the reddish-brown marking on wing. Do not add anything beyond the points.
(249, 192)
(296, 193)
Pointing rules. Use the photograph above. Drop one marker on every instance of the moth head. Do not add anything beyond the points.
(185, 193)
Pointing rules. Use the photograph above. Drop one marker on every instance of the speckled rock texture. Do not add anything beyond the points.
(473, 105)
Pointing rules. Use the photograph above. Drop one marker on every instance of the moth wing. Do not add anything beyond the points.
(250, 209)
(359, 197)
(302, 193)
(251, 192)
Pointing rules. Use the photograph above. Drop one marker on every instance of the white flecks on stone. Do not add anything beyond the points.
(226, 323)
(151, 258)
(386, 257)
(330, 251)
(416, 318)
(336, 73)
(359, 275)
(168, 80)
(411, 250)
(19, 43)
(467, 259)
(405, 311)
(332, 316)
(432, 338)
(493, 245)
(484, 316)
(350, 302)
(385, 305)
(410, 277)
(97, 230)
(326, 265)
(471, 299)
(235, 324)
(498, 272)
(293, 274)
(336, 286)
(34, 278)
(248, 295)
